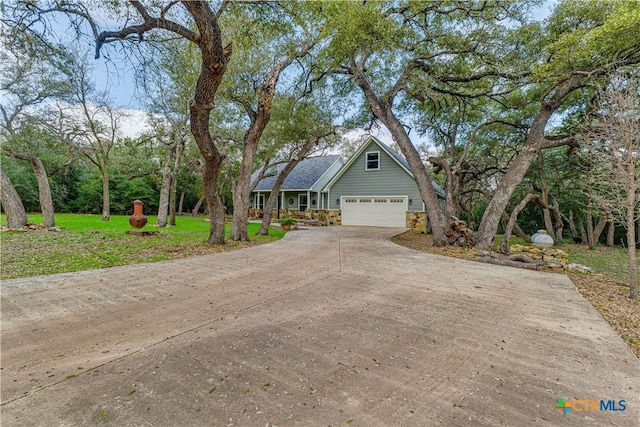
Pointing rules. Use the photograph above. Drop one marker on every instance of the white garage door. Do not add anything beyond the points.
(374, 211)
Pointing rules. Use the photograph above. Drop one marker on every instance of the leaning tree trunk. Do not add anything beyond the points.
(12, 204)
(382, 108)
(512, 221)
(267, 212)
(520, 165)
(273, 196)
(425, 186)
(519, 232)
(44, 189)
(165, 188)
(584, 236)
(44, 193)
(196, 208)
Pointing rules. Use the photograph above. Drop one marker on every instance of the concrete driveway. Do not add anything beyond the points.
(329, 326)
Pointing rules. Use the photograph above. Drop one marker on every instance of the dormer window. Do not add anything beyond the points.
(372, 160)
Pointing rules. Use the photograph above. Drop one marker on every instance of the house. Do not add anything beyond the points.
(301, 190)
(374, 188)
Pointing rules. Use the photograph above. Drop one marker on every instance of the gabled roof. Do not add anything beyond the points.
(402, 162)
(302, 177)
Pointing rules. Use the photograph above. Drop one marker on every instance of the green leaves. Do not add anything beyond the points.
(591, 36)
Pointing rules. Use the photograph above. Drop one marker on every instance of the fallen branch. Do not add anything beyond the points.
(517, 260)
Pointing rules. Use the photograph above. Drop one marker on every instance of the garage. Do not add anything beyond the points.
(374, 211)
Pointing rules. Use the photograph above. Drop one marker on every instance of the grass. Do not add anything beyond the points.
(87, 242)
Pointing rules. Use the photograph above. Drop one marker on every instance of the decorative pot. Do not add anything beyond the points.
(138, 219)
(542, 238)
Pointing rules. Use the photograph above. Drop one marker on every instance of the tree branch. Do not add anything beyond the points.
(149, 23)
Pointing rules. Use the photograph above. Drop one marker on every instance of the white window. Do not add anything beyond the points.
(372, 159)
(259, 201)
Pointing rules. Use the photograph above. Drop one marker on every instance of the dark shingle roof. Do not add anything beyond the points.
(302, 177)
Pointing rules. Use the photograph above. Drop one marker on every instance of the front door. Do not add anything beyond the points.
(303, 202)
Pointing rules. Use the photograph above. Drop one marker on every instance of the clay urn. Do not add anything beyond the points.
(138, 219)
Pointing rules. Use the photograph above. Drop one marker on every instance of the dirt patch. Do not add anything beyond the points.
(608, 295)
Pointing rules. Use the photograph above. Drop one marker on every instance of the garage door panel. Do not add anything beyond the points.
(374, 211)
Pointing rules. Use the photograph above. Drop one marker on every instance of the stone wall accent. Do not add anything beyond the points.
(325, 216)
(334, 217)
(417, 220)
(555, 259)
(255, 213)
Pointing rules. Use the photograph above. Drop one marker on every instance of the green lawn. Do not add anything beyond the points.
(87, 242)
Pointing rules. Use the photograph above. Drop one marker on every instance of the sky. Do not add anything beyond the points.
(117, 79)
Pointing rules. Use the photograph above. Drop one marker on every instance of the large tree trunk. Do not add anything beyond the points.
(242, 188)
(214, 63)
(163, 206)
(534, 143)
(11, 203)
(44, 189)
(174, 184)
(452, 205)
(215, 56)
(215, 206)
(512, 221)
(557, 219)
(106, 204)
